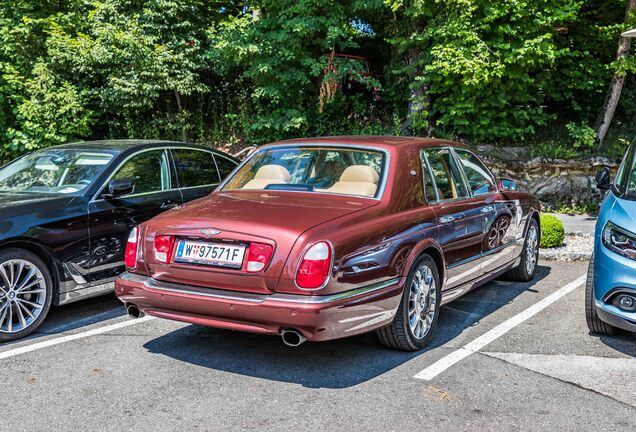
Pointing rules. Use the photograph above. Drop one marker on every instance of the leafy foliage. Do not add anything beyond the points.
(505, 72)
(552, 231)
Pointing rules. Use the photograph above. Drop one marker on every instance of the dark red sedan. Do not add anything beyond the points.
(323, 238)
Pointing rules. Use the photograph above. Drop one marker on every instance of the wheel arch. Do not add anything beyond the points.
(42, 252)
(534, 214)
(432, 248)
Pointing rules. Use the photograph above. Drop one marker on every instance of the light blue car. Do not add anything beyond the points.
(610, 295)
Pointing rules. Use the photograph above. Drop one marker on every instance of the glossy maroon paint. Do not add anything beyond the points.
(375, 241)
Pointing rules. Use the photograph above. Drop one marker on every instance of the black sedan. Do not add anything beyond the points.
(66, 213)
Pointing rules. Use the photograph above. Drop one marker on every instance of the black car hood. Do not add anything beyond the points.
(8, 200)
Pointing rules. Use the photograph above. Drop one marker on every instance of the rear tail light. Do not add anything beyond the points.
(163, 248)
(130, 256)
(258, 256)
(315, 266)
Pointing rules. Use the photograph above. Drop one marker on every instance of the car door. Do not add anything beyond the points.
(498, 217)
(112, 218)
(198, 171)
(460, 234)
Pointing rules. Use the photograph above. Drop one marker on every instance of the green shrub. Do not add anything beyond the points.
(552, 232)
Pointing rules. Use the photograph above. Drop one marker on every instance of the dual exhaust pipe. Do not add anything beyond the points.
(291, 337)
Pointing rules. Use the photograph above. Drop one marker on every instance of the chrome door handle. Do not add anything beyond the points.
(488, 209)
(447, 219)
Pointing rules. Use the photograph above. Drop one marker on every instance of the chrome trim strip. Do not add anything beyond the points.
(485, 254)
(165, 148)
(255, 298)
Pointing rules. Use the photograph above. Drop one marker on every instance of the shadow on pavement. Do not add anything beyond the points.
(622, 341)
(334, 364)
(74, 316)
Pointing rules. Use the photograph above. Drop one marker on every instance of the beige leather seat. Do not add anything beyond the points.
(268, 174)
(359, 180)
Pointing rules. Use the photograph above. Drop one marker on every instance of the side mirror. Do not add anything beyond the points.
(508, 185)
(117, 188)
(603, 178)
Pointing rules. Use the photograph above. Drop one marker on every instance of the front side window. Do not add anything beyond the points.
(446, 174)
(196, 168)
(480, 181)
(58, 171)
(626, 175)
(148, 170)
(312, 169)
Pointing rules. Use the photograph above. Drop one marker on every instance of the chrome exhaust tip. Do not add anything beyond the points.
(134, 312)
(292, 337)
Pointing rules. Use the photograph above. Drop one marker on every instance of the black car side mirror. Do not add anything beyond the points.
(508, 185)
(603, 178)
(117, 188)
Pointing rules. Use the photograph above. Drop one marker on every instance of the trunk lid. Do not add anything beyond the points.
(242, 217)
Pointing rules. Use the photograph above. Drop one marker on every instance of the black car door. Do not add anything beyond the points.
(111, 219)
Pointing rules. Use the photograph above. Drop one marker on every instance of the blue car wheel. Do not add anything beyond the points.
(594, 323)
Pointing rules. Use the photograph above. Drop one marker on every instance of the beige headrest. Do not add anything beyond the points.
(273, 172)
(360, 173)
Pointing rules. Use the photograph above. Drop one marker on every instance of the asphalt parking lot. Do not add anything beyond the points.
(498, 362)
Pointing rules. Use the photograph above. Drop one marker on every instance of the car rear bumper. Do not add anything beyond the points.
(317, 317)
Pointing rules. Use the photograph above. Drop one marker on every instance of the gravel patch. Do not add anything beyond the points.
(576, 247)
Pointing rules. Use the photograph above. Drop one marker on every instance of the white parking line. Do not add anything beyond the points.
(472, 347)
(60, 340)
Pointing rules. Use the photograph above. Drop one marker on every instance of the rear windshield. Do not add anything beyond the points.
(343, 171)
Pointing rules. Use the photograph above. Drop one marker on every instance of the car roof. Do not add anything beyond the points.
(130, 145)
(374, 140)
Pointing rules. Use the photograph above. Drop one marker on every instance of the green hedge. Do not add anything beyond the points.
(552, 231)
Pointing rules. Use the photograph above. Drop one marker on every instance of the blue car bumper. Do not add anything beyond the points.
(614, 272)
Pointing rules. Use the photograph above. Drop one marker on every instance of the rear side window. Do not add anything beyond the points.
(225, 165)
(446, 174)
(195, 167)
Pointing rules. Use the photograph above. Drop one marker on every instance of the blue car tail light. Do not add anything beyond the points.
(619, 240)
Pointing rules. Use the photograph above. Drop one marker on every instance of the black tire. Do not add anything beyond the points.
(594, 323)
(520, 273)
(398, 335)
(44, 298)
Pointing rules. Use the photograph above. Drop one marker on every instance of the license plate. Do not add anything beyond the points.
(219, 254)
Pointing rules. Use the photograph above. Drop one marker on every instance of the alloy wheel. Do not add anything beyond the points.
(531, 249)
(22, 295)
(422, 305)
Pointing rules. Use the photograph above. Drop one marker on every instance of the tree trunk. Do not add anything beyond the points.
(616, 85)
(184, 131)
(419, 102)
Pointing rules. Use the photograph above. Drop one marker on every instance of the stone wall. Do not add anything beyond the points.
(556, 183)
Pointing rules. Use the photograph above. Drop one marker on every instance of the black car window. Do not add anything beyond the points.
(196, 168)
(479, 178)
(225, 165)
(149, 170)
(446, 174)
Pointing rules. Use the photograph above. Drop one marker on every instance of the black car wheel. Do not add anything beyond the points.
(527, 267)
(26, 291)
(594, 323)
(416, 318)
